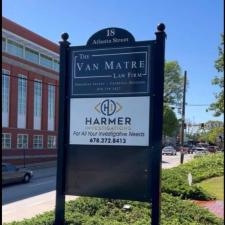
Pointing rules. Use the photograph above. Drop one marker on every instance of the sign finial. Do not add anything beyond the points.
(161, 27)
(65, 36)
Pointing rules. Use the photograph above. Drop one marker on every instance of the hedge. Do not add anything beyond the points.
(174, 181)
(95, 211)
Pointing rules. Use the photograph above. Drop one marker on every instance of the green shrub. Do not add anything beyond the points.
(174, 181)
(93, 211)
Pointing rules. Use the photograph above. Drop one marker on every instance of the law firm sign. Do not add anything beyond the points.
(110, 118)
(108, 71)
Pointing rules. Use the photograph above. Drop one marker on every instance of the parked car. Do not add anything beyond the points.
(199, 150)
(178, 147)
(188, 149)
(12, 174)
(169, 150)
(185, 149)
(212, 148)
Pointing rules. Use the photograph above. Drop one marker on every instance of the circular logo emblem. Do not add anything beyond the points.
(108, 107)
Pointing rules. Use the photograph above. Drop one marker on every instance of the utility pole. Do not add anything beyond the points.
(183, 119)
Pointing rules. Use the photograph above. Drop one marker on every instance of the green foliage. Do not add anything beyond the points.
(219, 63)
(110, 212)
(95, 211)
(212, 135)
(170, 122)
(193, 136)
(173, 83)
(175, 182)
(218, 105)
(173, 91)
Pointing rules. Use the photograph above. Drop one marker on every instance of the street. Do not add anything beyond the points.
(27, 200)
(17, 192)
(169, 161)
(21, 200)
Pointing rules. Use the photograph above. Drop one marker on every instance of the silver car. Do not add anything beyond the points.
(200, 150)
(12, 174)
(169, 150)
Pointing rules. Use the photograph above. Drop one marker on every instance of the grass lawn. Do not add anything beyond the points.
(214, 186)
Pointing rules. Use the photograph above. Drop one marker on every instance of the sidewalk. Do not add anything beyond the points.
(216, 207)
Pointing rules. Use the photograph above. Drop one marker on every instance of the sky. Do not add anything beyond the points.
(193, 33)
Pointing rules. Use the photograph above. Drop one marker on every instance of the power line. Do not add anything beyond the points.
(198, 104)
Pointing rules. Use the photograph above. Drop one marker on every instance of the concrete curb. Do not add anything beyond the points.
(42, 170)
(42, 165)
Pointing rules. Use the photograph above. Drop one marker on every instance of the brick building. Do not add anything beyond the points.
(30, 76)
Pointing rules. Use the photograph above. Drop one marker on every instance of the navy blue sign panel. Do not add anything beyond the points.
(111, 71)
(111, 37)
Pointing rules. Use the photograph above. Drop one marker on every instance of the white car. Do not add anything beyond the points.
(200, 150)
(169, 150)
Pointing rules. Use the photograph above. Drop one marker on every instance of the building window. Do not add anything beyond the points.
(5, 98)
(31, 55)
(6, 141)
(46, 61)
(56, 65)
(37, 104)
(3, 44)
(51, 107)
(37, 141)
(15, 48)
(22, 141)
(51, 141)
(22, 101)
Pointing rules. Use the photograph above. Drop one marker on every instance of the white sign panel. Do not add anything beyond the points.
(109, 121)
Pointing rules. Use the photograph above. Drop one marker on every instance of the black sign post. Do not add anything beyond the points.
(158, 121)
(110, 119)
(62, 137)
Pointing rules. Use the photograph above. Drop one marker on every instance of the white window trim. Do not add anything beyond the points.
(36, 47)
(4, 71)
(31, 45)
(21, 121)
(30, 49)
(54, 146)
(42, 143)
(10, 141)
(27, 141)
(23, 49)
(37, 119)
(51, 120)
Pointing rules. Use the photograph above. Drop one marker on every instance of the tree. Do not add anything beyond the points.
(173, 83)
(170, 122)
(218, 105)
(212, 131)
(193, 136)
(213, 123)
(173, 91)
(214, 135)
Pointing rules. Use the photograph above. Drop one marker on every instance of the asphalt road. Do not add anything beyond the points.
(17, 192)
(169, 161)
(21, 201)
